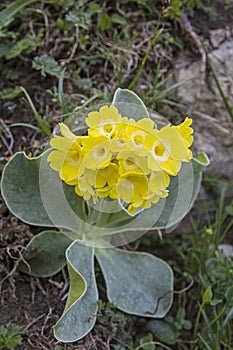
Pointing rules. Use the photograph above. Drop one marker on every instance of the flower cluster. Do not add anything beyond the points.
(121, 158)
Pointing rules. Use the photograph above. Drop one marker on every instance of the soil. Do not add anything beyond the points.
(203, 22)
(31, 302)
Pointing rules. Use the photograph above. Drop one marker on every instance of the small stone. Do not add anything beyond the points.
(226, 249)
(217, 36)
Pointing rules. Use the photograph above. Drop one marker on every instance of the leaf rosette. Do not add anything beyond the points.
(101, 190)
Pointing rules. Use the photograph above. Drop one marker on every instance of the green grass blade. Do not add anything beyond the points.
(224, 98)
(142, 65)
(207, 347)
(167, 91)
(25, 125)
(10, 11)
(44, 128)
(61, 97)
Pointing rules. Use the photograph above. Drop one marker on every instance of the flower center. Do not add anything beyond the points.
(129, 161)
(159, 150)
(137, 138)
(129, 164)
(74, 156)
(121, 143)
(99, 153)
(127, 185)
(108, 128)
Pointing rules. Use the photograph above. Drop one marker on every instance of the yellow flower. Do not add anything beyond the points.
(106, 180)
(107, 175)
(130, 134)
(166, 150)
(136, 132)
(85, 185)
(132, 162)
(121, 158)
(67, 156)
(185, 132)
(158, 182)
(98, 183)
(131, 188)
(96, 151)
(119, 142)
(104, 122)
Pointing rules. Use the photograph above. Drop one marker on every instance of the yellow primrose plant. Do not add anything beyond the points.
(97, 191)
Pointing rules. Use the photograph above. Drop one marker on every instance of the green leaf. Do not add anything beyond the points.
(47, 65)
(79, 18)
(94, 8)
(80, 312)
(4, 49)
(35, 194)
(9, 12)
(229, 210)
(166, 332)
(44, 126)
(10, 336)
(215, 302)
(165, 214)
(129, 104)
(183, 191)
(104, 21)
(21, 192)
(27, 44)
(64, 207)
(146, 343)
(9, 94)
(115, 18)
(207, 296)
(202, 159)
(45, 253)
(137, 283)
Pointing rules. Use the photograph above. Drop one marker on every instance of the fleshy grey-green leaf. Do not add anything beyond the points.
(45, 253)
(137, 283)
(165, 214)
(35, 194)
(183, 191)
(129, 104)
(64, 207)
(80, 312)
(21, 192)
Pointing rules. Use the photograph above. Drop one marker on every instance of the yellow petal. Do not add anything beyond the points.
(61, 143)
(65, 131)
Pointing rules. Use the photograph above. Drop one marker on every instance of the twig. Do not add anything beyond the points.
(66, 283)
(9, 136)
(34, 321)
(74, 49)
(46, 320)
(46, 22)
(171, 292)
